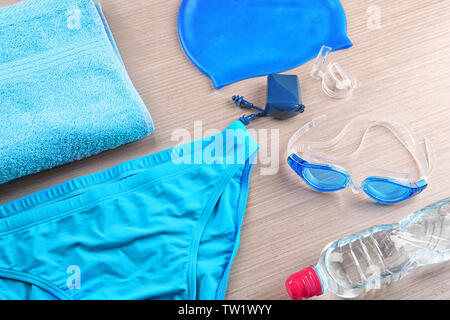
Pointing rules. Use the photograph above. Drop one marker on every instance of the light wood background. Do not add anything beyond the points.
(404, 69)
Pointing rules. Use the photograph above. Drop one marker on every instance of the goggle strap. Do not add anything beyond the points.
(300, 132)
(425, 164)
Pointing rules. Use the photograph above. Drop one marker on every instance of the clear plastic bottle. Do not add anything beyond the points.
(374, 258)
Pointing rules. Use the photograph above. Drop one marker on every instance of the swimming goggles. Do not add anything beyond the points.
(326, 174)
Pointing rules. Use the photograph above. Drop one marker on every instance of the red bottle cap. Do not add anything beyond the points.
(304, 284)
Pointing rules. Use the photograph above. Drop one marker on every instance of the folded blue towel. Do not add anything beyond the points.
(64, 91)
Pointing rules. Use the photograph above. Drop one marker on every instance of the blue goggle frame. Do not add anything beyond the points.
(326, 178)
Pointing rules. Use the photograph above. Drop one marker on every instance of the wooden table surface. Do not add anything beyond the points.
(404, 70)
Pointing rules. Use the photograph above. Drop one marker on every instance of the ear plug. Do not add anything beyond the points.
(283, 99)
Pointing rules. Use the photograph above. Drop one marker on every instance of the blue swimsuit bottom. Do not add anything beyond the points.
(165, 226)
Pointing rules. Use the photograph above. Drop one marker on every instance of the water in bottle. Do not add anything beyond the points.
(374, 258)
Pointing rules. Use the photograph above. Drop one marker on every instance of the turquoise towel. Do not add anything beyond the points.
(64, 91)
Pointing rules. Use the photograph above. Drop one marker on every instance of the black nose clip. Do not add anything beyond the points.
(283, 99)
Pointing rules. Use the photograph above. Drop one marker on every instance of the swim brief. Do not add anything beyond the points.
(165, 226)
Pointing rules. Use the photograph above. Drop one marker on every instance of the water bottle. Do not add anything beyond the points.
(374, 258)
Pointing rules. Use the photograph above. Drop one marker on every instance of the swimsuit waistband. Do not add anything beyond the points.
(20, 213)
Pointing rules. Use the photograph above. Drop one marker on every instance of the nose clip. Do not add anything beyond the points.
(338, 75)
(336, 83)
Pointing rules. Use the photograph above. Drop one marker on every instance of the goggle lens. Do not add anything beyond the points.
(325, 179)
(321, 178)
(386, 190)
